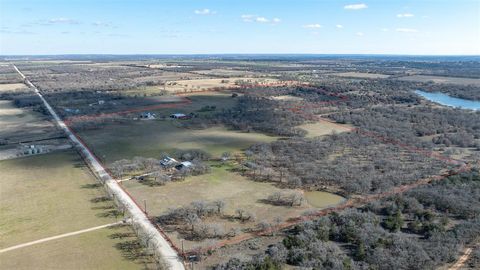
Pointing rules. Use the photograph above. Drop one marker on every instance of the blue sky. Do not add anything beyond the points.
(239, 26)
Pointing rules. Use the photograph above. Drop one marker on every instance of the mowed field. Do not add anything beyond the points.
(441, 79)
(49, 195)
(221, 184)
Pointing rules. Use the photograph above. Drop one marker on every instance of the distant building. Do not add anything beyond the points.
(147, 115)
(168, 161)
(101, 102)
(184, 165)
(178, 116)
(72, 110)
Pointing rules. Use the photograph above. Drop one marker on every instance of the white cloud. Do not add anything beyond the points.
(102, 24)
(406, 30)
(62, 21)
(339, 26)
(314, 25)
(405, 15)
(384, 29)
(259, 19)
(205, 11)
(262, 20)
(355, 6)
(360, 34)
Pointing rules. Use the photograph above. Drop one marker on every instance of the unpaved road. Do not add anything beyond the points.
(461, 261)
(138, 217)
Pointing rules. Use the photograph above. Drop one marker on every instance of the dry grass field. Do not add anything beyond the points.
(19, 124)
(322, 128)
(203, 84)
(101, 249)
(8, 87)
(153, 138)
(441, 79)
(227, 72)
(52, 194)
(287, 98)
(361, 75)
(47, 195)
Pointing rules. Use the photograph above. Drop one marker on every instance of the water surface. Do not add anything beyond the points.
(320, 199)
(447, 100)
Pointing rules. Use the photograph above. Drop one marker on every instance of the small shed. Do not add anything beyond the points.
(184, 165)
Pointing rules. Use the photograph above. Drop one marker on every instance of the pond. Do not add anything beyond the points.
(447, 100)
(321, 199)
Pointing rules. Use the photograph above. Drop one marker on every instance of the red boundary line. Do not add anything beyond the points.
(293, 221)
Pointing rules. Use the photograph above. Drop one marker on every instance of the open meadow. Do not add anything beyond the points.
(441, 80)
(152, 138)
(155, 138)
(55, 195)
(361, 75)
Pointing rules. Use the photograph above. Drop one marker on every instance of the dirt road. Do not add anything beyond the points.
(138, 217)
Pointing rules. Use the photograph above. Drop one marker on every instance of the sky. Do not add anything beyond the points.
(420, 27)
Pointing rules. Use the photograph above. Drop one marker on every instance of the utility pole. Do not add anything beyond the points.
(145, 206)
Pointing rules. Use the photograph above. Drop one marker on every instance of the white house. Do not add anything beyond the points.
(178, 116)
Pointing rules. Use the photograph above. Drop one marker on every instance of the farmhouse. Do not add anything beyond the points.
(178, 116)
(168, 161)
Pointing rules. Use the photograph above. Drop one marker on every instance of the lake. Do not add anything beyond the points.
(447, 100)
(321, 199)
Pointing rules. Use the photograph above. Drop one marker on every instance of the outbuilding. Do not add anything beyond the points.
(184, 165)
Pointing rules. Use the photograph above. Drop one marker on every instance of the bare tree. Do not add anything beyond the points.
(192, 219)
(220, 205)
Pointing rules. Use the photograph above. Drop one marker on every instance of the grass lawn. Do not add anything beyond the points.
(100, 249)
(46, 195)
